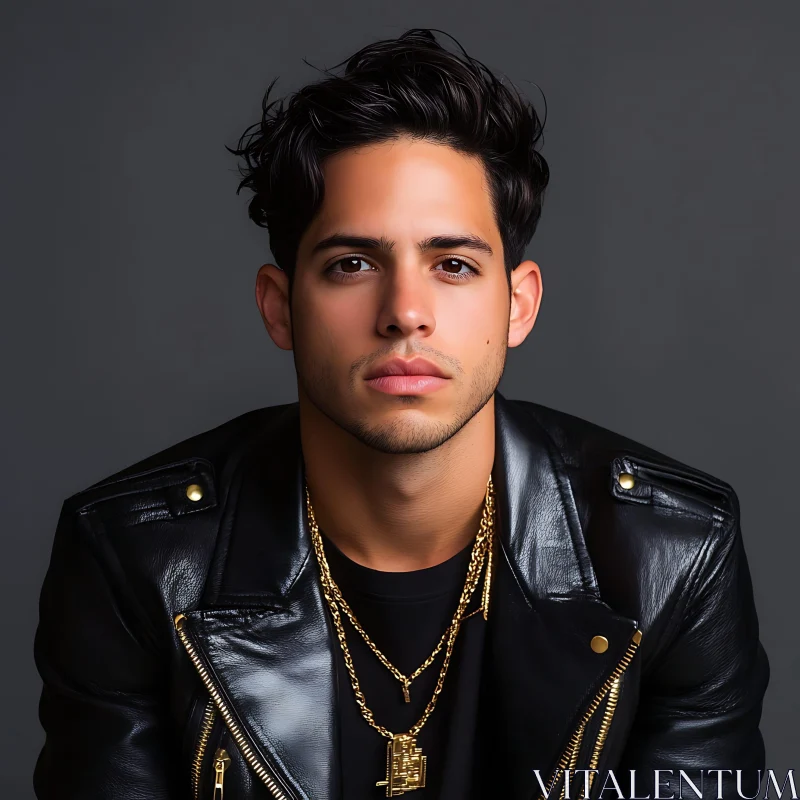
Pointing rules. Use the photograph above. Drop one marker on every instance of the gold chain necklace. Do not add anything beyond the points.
(406, 680)
(405, 764)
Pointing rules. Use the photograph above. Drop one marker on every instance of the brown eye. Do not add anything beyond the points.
(350, 264)
(453, 267)
(351, 267)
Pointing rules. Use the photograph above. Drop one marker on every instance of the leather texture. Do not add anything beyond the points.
(578, 556)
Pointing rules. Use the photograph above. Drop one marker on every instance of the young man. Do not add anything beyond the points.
(404, 582)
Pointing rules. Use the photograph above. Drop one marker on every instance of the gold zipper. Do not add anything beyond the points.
(605, 724)
(221, 762)
(209, 715)
(611, 687)
(233, 727)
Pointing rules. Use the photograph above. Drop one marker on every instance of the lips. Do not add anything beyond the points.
(401, 366)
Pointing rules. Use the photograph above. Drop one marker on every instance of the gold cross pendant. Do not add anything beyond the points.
(405, 766)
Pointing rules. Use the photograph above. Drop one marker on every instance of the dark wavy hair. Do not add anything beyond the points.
(405, 86)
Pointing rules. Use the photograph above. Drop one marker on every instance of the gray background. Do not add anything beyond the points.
(667, 245)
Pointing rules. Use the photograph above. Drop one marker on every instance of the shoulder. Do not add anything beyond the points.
(604, 463)
(153, 525)
(657, 529)
(202, 459)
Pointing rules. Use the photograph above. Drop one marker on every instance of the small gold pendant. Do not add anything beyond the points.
(406, 693)
(405, 766)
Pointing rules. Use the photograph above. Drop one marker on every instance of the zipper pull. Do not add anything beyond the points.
(221, 762)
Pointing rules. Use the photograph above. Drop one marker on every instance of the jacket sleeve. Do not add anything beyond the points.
(701, 700)
(104, 700)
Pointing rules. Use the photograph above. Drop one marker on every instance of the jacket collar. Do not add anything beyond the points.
(269, 643)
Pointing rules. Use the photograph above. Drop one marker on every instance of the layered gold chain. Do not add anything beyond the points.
(481, 553)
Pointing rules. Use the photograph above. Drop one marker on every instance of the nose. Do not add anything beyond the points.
(407, 304)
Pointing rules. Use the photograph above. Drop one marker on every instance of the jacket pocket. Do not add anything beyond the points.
(218, 769)
(212, 758)
(201, 746)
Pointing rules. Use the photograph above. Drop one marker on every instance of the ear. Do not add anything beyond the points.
(526, 297)
(272, 298)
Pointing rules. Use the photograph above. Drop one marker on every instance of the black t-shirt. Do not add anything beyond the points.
(405, 615)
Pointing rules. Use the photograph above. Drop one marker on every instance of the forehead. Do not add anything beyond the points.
(406, 187)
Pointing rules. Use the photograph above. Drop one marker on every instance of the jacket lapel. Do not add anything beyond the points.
(267, 641)
(540, 672)
(264, 633)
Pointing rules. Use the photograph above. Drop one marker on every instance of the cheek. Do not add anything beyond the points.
(473, 324)
(330, 329)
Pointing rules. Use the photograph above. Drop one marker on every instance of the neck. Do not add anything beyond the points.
(397, 513)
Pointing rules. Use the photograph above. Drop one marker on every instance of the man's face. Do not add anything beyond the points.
(356, 305)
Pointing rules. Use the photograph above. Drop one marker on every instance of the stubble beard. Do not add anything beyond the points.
(402, 436)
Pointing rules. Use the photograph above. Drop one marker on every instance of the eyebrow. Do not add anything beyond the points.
(386, 246)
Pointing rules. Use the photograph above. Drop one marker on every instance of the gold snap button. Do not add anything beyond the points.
(599, 644)
(626, 480)
(194, 492)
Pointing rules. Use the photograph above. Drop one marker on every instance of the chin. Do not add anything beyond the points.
(403, 433)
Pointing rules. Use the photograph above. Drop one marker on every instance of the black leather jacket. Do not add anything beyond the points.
(134, 708)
